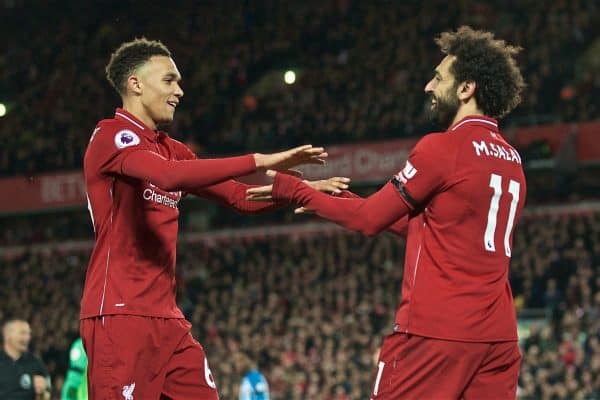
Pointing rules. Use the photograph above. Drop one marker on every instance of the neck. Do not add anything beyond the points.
(12, 353)
(466, 110)
(136, 108)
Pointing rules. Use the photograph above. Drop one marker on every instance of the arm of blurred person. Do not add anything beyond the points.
(41, 387)
(41, 380)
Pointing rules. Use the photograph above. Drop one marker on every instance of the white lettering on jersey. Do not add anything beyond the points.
(152, 195)
(210, 381)
(126, 138)
(407, 173)
(496, 150)
(128, 391)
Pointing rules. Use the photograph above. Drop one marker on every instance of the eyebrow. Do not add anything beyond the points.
(437, 73)
(172, 75)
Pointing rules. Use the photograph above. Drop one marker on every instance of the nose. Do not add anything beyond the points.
(430, 87)
(178, 91)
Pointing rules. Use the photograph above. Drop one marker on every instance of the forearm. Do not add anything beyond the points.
(185, 175)
(397, 228)
(232, 193)
(368, 216)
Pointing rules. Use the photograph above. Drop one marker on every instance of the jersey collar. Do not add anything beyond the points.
(487, 122)
(126, 116)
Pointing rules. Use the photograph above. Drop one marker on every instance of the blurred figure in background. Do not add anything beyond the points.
(254, 385)
(22, 375)
(75, 386)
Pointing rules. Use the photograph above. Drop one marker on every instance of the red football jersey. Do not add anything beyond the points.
(132, 266)
(467, 189)
(463, 191)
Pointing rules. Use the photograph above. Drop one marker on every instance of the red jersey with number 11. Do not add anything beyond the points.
(466, 188)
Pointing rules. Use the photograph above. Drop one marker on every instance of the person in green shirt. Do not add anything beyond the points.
(75, 386)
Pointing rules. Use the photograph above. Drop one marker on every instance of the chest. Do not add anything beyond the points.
(16, 378)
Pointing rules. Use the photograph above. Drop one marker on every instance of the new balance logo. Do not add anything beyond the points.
(128, 391)
(408, 172)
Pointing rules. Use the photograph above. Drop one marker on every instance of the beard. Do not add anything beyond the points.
(445, 109)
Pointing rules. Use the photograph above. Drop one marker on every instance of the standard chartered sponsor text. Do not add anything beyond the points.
(152, 195)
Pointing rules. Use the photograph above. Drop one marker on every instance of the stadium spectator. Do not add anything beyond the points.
(291, 315)
(22, 375)
(254, 385)
(356, 62)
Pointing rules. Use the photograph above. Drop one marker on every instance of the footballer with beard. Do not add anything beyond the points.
(459, 195)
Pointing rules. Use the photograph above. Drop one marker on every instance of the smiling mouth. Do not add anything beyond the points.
(172, 103)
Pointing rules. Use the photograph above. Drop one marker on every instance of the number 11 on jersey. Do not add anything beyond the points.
(490, 230)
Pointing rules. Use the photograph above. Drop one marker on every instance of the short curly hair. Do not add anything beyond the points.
(490, 63)
(130, 56)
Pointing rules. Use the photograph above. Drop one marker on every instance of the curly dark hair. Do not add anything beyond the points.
(130, 56)
(490, 63)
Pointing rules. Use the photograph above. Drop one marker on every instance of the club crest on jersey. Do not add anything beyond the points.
(126, 138)
(408, 172)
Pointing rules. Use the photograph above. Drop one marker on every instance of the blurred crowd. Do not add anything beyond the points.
(361, 68)
(312, 310)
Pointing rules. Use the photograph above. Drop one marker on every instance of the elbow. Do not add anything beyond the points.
(371, 227)
(370, 230)
(166, 181)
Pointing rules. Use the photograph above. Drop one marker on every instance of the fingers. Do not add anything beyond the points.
(260, 193)
(331, 185)
(308, 150)
(293, 172)
(300, 149)
(265, 198)
(303, 210)
(318, 161)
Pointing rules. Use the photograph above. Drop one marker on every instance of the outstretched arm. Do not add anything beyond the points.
(369, 216)
(184, 175)
(189, 173)
(399, 227)
(233, 194)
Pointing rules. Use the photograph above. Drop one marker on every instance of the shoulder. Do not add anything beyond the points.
(118, 132)
(435, 143)
(30, 358)
(182, 150)
(432, 138)
(77, 351)
(111, 136)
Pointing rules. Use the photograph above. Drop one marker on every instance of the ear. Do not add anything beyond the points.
(466, 90)
(134, 84)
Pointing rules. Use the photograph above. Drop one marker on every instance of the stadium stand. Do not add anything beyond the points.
(361, 70)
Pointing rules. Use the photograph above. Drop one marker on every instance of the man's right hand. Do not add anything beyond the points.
(290, 158)
(40, 386)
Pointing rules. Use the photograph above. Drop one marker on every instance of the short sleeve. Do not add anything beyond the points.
(108, 148)
(77, 356)
(425, 171)
(39, 368)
